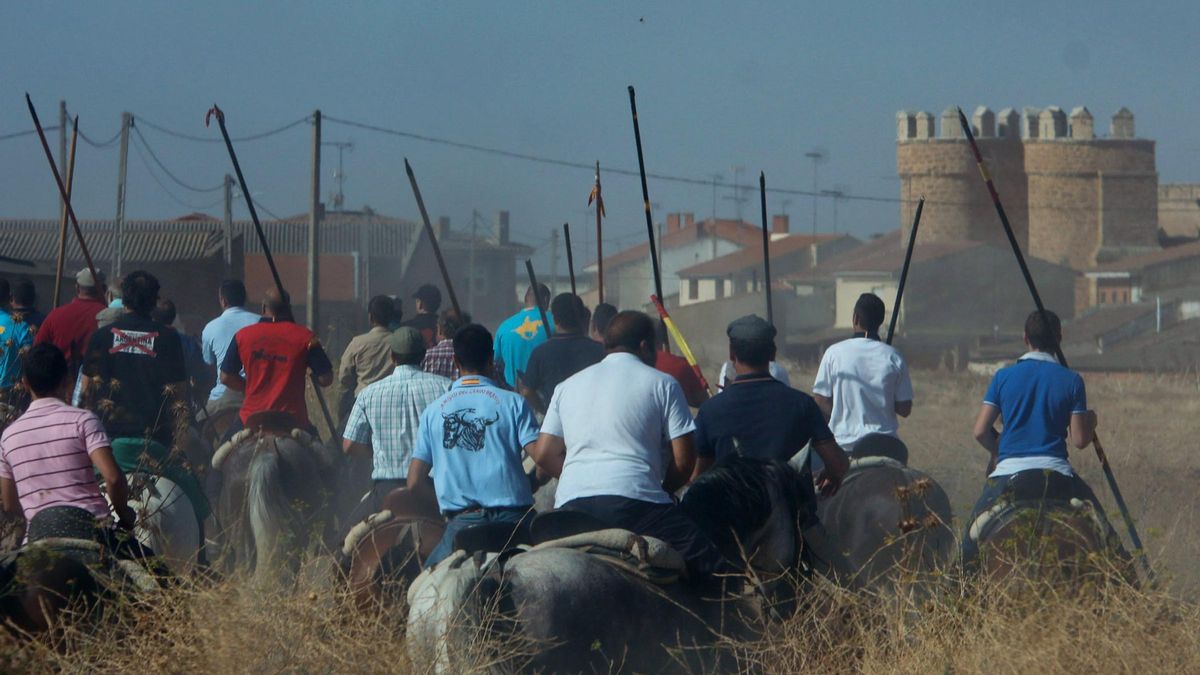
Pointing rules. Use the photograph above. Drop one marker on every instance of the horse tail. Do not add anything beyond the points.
(268, 508)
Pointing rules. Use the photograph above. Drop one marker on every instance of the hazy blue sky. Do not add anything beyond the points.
(719, 85)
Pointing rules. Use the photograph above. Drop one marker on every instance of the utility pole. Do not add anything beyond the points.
(471, 263)
(314, 224)
(122, 169)
(554, 262)
(62, 146)
(817, 156)
(227, 221)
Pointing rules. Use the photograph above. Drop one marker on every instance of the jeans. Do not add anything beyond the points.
(464, 520)
(661, 521)
(1029, 486)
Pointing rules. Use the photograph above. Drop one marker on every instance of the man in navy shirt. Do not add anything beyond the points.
(563, 355)
(1041, 404)
(759, 416)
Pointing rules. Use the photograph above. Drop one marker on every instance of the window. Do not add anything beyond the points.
(720, 287)
(693, 289)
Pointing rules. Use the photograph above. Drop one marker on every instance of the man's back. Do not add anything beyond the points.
(557, 359)
(760, 417)
(1036, 397)
(426, 323)
(473, 437)
(46, 452)
(70, 326)
(276, 356)
(516, 339)
(678, 368)
(136, 359)
(387, 416)
(367, 359)
(864, 378)
(217, 336)
(615, 418)
(15, 336)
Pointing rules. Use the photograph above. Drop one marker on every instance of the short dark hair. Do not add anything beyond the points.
(24, 293)
(449, 322)
(601, 317)
(869, 311)
(279, 303)
(380, 310)
(234, 292)
(628, 330)
(1043, 329)
(139, 292)
(473, 347)
(543, 295)
(44, 368)
(753, 352)
(568, 310)
(164, 312)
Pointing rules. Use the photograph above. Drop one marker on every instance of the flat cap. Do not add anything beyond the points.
(751, 328)
(406, 341)
(84, 278)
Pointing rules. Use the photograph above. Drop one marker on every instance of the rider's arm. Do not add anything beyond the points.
(8, 497)
(549, 453)
(318, 361)
(418, 475)
(231, 368)
(531, 397)
(826, 406)
(349, 447)
(702, 464)
(985, 429)
(115, 484)
(836, 466)
(683, 462)
(903, 408)
(1083, 428)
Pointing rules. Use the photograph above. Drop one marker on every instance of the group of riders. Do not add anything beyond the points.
(446, 408)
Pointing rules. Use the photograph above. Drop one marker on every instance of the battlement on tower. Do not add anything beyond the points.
(1031, 124)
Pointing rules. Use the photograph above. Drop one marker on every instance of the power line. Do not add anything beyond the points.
(239, 139)
(27, 132)
(142, 139)
(165, 189)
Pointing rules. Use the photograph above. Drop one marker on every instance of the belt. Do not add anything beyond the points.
(477, 508)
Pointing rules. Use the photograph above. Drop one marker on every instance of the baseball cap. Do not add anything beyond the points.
(406, 341)
(84, 277)
(751, 328)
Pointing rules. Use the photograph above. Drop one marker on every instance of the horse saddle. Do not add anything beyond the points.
(492, 537)
(646, 557)
(62, 522)
(880, 445)
(554, 525)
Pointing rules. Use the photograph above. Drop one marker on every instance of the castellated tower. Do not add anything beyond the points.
(942, 169)
(1071, 197)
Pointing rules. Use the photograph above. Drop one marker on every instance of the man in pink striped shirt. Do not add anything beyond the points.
(47, 455)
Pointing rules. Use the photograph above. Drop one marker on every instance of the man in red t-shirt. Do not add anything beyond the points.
(678, 368)
(70, 326)
(276, 354)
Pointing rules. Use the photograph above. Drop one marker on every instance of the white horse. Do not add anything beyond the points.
(166, 521)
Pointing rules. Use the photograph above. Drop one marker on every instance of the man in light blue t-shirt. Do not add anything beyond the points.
(217, 336)
(520, 334)
(1041, 404)
(473, 438)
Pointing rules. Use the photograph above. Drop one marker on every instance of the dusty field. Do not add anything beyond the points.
(1147, 424)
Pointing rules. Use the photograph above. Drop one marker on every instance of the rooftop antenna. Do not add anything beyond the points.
(339, 198)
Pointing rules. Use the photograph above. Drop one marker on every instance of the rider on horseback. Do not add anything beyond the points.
(1041, 404)
(48, 455)
(862, 383)
(474, 436)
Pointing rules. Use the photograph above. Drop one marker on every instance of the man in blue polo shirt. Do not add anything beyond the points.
(1041, 404)
(474, 436)
(759, 416)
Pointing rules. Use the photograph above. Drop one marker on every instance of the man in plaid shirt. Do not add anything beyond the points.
(439, 359)
(383, 421)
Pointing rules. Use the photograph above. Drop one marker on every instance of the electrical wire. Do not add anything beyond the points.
(182, 202)
(142, 139)
(27, 132)
(240, 139)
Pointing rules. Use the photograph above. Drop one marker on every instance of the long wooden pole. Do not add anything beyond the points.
(1109, 476)
(766, 238)
(637, 137)
(912, 241)
(60, 267)
(683, 345)
(537, 297)
(599, 233)
(437, 250)
(62, 191)
(570, 256)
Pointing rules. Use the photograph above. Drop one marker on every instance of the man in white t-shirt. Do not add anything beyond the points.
(862, 384)
(603, 438)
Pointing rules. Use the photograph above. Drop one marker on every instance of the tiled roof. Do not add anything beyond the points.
(736, 231)
(1140, 262)
(751, 256)
(38, 241)
(885, 243)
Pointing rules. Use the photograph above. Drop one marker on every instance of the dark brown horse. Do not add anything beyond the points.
(388, 550)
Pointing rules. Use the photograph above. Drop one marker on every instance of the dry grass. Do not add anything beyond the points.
(1147, 424)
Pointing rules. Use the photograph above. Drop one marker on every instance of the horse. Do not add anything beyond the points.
(66, 567)
(167, 522)
(275, 497)
(887, 518)
(609, 599)
(1044, 529)
(387, 551)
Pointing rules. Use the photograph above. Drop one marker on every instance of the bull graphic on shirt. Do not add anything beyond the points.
(464, 429)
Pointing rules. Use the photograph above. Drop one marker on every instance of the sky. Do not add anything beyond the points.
(720, 85)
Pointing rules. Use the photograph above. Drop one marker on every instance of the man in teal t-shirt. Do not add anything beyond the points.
(15, 338)
(520, 333)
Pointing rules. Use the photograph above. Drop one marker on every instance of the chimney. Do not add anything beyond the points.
(779, 224)
(442, 227)
(502, 227)
(689, 219)
(672, 222)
